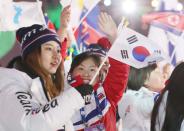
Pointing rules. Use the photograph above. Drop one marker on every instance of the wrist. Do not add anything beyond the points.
(112, 37)
(62, 32)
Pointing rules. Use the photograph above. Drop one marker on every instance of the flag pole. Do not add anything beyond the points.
(71, 33)
(69, 28)
(41, 12)
(99, 68)
(86, 15)
(124, 23)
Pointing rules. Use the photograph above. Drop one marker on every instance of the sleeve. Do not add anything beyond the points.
(116, 80)
(20, 110)
(145, 106)
(64, 48)
(126, 104)
(182, 126)
(128, 111)
(161, 113)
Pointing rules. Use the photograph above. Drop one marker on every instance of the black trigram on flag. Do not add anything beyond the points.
(132, 39)
(157, 51)
(151, 62)
(124, 54)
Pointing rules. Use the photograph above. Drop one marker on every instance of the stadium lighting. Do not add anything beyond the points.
(107, 2)
(154, 3)
(129, 6)
(179, 7)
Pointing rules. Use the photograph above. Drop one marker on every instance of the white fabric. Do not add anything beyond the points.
(20, 14)
(25, 108)
(135, 109)
(182, 126)
(163, 40)
(135, 49)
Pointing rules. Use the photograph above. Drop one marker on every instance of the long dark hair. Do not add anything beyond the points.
(174, 113)
(137, 77)
(15, 63)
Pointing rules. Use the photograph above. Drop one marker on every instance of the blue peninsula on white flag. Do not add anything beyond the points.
(135, 49)
(14, 15)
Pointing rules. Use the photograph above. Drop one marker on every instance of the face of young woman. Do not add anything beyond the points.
(86, 70)
(156, 80)
(50, 56)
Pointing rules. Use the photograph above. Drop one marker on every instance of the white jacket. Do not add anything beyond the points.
(135, 109)
(24, 107)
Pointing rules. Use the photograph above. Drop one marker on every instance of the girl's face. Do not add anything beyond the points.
(50, 56)
(156, 80)
(86, 70)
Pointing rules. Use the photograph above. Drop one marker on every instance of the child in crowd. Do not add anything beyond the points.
(99, 112)
(137, 103)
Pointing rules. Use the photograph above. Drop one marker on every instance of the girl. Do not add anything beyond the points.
(39, 103)
(137, 103)
(168, 111)
(99, 112)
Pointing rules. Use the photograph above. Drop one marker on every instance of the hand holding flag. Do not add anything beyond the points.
(107, 25)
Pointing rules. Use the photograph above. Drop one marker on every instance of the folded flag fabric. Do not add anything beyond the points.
(169, 21)
(167, 29)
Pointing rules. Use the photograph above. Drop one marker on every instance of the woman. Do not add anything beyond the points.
(137, 103)
(39, 103)
(168, 111)
(99, 112)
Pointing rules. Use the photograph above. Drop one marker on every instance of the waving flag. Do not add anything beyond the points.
(169, 21)
(165, 24)
(135, 49)
(88, 31)
(84, 15)
(76, 9)
(14, 15)
(167, 29)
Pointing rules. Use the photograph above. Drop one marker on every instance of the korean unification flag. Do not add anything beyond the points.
(135, 49)
(14, 15)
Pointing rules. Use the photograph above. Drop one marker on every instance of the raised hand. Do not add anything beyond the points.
(107, 25)
(65, 16)
(64, 22)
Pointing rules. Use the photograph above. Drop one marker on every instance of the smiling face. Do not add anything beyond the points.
(50, 56)
(86, 70)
